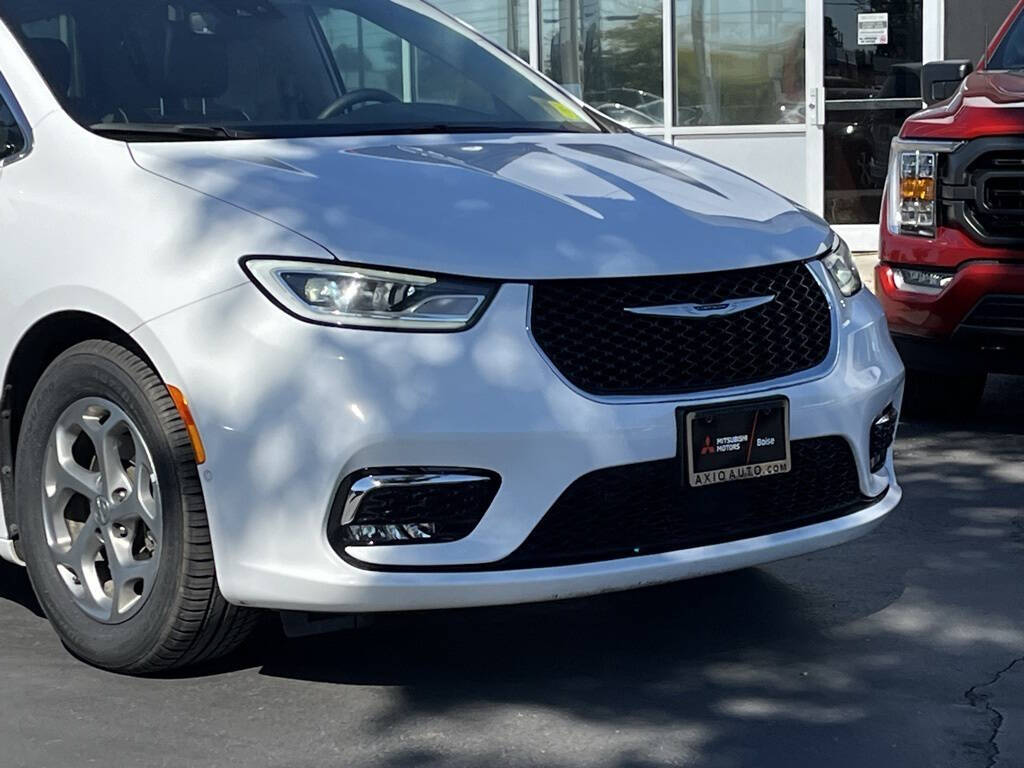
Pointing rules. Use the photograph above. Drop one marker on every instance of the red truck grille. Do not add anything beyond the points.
(984, 191)
(1002, 186)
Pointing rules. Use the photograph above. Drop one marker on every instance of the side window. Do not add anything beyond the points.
(11, 139)
(1010, 54)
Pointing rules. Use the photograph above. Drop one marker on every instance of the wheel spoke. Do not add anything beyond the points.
(72, 477)
(101, 424)
(111, 467)
(125, 571)
(83, 549)
(133, 508)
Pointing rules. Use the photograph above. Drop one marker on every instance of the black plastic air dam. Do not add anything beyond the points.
(642, 509)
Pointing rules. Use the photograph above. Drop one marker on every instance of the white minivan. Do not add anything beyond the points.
(292, 322)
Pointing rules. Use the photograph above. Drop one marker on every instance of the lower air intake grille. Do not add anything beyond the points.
(998, 313)
(642, 509)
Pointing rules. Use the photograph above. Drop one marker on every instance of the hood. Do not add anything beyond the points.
(987, 104)
(511, 207)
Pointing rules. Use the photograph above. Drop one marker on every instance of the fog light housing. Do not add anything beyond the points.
(916, 280)
(400, 505)
(883, 433)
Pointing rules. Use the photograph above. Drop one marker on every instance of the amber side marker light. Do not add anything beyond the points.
(918, 189)
(181, 403)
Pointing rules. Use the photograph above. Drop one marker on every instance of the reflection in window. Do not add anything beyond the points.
(610, 53)
(741, 62)
(367, 56)
(869, 91)
(855, 71)
(506, 22)
(11, 140)
(371, 57)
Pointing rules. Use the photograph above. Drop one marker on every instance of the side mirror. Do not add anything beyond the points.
(940, 79)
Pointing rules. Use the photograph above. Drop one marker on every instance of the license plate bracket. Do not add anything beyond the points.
(734, 441)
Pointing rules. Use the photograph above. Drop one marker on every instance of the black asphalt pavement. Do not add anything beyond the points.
(903, 649)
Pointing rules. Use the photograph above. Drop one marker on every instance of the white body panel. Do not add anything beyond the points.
(149, 237)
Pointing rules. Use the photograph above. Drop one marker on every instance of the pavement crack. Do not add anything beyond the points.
(977, 699)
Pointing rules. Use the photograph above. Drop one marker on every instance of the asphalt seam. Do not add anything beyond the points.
(975, 698)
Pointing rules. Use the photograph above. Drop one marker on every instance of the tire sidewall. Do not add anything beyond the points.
(75, 375)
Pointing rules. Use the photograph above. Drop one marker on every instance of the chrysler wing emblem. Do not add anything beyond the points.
(722, 309)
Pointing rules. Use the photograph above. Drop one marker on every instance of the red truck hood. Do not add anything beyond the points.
(987, 104)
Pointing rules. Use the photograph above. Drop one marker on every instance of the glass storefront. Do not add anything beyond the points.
(740, 62)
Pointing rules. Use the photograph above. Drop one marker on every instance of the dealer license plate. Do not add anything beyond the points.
(741, 441)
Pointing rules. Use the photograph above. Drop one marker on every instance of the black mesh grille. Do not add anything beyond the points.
(998, 313)
(583, 328)
(641, 509)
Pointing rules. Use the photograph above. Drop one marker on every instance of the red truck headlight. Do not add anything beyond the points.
(913, 184)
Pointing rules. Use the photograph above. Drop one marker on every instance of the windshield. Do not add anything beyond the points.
(1010, 53)
(160, 69)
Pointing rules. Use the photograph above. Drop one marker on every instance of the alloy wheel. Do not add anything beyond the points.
(102, 510)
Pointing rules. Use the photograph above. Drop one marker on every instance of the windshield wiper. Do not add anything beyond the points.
(202, 132)
(442, 128)
(158, 131)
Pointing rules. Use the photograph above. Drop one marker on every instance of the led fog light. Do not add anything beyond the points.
(930, 281)
(883, 432)
(390, 534)
(409, 506)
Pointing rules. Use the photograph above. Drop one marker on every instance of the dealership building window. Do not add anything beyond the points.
(609, 52)
(740, 62)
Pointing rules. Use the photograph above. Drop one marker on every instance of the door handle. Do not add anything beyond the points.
(816, 106)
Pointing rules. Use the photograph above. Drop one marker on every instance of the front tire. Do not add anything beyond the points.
(112, 519)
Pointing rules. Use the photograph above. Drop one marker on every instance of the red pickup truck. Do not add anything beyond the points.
(951, 271)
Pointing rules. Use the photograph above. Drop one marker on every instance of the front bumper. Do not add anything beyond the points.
(287, 410)
(937, 333)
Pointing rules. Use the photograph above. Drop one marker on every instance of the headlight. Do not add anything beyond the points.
(840, 265)
(336, 294)
(914, 186)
